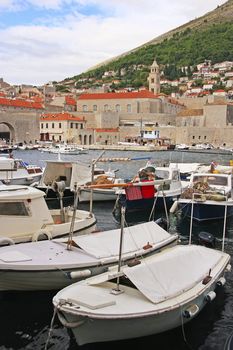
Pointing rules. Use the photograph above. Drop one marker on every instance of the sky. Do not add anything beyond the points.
(50, 40)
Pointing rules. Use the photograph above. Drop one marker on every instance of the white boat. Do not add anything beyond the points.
(209, 196)
(24, 216)
(17, 172)
(47, 265)
(65, 148)
(164, 291)
(72, 174)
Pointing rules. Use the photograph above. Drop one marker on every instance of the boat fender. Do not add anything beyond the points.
(68, 324)
(173, 207)
(221, 281)
(41, 233)
(162, 222)
(210, 296)
(6, 241)
(191, 311)
(228, 268)
(79, 274)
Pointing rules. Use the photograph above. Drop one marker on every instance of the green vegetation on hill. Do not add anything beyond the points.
(177, 53)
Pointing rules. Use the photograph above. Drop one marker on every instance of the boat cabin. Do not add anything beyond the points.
(23, 210)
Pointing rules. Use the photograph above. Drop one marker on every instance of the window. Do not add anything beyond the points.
(129, 108)
(94, 108)
(42, 125)
(105, 108)
(59, 125)
(84, 108)
(59, 137)
(47, 125)
(81, 126)
(14, 208)
(53, 125)
(118, 108)
(193, 137)
(71, 125)
(76, 125)
(152, 80)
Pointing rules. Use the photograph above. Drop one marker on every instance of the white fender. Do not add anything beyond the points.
(174, 207)
(41, 232)
(6, 240)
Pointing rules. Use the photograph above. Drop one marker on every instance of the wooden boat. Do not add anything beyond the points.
(164, 291)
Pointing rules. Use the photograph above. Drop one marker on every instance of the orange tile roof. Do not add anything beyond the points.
(118, 95)
(107, 130)
(20, 103)
(59, 116)
(70, 101)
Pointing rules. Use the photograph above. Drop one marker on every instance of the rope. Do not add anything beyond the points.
(50, 328)
(183, 331)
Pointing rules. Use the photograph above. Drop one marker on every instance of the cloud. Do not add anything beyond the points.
(70, 36)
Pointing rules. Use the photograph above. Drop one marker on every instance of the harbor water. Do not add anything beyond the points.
(26, 316)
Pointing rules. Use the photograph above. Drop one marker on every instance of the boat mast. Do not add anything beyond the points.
(94, 161)
(117, 290)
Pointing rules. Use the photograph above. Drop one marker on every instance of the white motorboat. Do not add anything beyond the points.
(72, 174)
(209, 196)
(17, 172)
(54, 264)
(24, 216)
(67, 149)
(164, 291)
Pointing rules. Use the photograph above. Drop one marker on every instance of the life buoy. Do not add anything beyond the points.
(41, 232)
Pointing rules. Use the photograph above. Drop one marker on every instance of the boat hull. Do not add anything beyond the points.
(52, 198)
(205, 211)
(98, 195)
(57, 278)
(141, 209)
(94, 330)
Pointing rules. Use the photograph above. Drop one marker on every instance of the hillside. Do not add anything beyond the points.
(221, 14)
(207, 37)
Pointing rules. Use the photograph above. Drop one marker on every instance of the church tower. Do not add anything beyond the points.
(154, 78)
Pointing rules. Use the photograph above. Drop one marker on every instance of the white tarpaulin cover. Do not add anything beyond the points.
(106, 243)
(173, 271)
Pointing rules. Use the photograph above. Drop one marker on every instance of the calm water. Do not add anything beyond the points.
(25, 317)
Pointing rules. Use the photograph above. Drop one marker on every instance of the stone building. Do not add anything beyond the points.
(154, 78)
(61, 127)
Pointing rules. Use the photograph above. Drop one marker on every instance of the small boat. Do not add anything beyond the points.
(56, 263)
(208, 197)
(25, 216)
(142, 201)
(67, 149)
(162, 292)
(17, 172)
(71, 174)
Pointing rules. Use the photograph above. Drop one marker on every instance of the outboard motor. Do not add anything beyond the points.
(59, 187)
(206, 239)
(162, 222)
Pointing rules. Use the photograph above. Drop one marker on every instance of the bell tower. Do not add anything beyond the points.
(154, 78)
